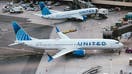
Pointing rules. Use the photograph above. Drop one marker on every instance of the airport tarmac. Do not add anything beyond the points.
(37, 27)
(19, 59)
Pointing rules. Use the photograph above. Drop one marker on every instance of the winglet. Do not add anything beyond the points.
(57, 29)
(50, 58)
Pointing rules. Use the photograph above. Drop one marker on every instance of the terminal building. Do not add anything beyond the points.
(126, 3)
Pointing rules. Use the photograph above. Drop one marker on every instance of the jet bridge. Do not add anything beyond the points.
(77, 4)
(115, 32)
(121, 27)
(127, 3)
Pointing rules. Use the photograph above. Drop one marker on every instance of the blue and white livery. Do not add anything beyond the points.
(64, 44)
(76, 14)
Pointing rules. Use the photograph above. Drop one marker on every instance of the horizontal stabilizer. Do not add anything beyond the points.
(40, 15)
(14, 44)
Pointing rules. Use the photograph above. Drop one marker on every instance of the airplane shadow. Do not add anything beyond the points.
(65, 21)
(91, 53)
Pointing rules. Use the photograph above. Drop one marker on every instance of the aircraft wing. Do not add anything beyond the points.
(77, 16)
(54, 11)
(61, 35)
(37, 14)
(61, 53)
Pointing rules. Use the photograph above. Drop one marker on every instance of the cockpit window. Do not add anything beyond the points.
(117, 42)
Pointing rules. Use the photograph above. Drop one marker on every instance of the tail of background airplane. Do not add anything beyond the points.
(44, 9)
(21, 35)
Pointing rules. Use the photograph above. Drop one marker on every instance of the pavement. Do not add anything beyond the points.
(20, 59)
(37, 27)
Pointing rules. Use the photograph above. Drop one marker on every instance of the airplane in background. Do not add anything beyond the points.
(64, 44)
(80, 14)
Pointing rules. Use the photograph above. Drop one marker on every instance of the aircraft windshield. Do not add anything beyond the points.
(117, 42)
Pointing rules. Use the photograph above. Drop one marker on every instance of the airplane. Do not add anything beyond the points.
(80, 14)
(64, 44)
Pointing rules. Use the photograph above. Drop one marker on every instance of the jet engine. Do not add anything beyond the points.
(79, 52)
(84, 18)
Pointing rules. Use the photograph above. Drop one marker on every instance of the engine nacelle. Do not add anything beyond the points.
(84, 18)
(79, 52)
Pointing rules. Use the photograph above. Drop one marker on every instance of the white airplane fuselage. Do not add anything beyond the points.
(74, 43)
(70, 14)
(65, 44)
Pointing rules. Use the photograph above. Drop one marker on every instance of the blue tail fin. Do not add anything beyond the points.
(44, 9)
(21, 35)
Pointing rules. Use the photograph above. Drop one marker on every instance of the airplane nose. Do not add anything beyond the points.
(121, 45)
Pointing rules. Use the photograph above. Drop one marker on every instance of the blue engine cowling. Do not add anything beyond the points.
(84, 18)
(79, 52)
